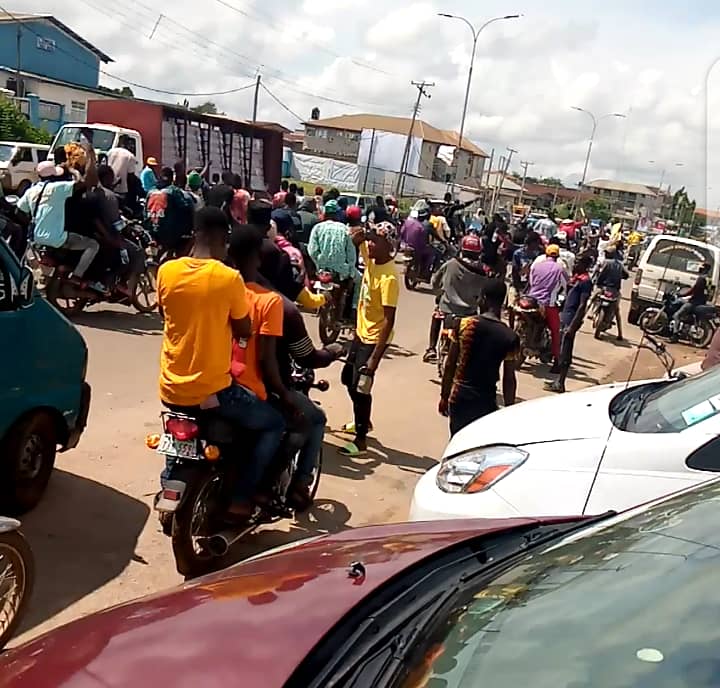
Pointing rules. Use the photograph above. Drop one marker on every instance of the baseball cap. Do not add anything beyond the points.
(47, 168)
(354, 212)
(152, 161)
(552, 250)
(194, 180)
(331, 207)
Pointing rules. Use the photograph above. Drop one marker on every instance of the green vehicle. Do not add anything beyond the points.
(44, 399)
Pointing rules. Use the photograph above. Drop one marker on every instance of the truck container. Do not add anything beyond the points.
(171, 133)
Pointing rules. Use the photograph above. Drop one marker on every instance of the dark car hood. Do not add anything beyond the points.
(250, 625)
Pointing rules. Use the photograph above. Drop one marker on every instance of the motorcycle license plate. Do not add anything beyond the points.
(323, 287)
(180, 449)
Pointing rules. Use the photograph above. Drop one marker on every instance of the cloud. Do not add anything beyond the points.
(343, 56)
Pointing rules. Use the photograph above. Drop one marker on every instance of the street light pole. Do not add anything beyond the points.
(475, 35)
(595, 121)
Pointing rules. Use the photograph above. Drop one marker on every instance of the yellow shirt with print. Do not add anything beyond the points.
(199, 298)
(380, 288)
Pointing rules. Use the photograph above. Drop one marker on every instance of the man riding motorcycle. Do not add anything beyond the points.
(610, 276)
(695, 295)
(461, 281)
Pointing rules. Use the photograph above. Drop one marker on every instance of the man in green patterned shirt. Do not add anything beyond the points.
(331, 247)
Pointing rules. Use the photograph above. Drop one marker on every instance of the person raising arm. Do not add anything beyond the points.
(375, 323)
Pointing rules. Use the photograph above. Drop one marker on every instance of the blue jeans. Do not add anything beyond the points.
(315, 419)
(241, 406)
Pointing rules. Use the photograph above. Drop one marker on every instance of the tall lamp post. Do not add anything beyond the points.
(595, 121)
(475, 35)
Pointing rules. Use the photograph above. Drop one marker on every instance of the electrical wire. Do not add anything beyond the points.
(268, 18)
(279, 102)
(121, 79)
(268, 71)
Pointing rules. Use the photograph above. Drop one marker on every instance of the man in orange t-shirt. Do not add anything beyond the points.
(255, 365)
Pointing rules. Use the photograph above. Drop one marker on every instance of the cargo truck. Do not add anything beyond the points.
(171, 133)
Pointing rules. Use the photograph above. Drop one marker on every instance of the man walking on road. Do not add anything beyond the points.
(375, 323)
(480, 345)
(579, 291)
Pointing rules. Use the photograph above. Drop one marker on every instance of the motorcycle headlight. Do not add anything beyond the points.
(479, 469)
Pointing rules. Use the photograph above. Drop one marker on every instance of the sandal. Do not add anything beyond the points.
(351, 449)
(349, 428)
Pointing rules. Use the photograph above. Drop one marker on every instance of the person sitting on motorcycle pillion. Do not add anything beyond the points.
(460, 280)
(610, 276)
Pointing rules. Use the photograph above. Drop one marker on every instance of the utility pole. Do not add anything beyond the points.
(421, 86)
(18, 66)
(496, 186)
(487, 180)
(369, 161)
(255, 100)
(511, 151)
(525, 166)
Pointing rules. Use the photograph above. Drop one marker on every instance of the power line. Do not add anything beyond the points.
(279, 102)
(118, 78)
(266, 17)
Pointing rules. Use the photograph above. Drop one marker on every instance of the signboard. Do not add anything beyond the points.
(46, 44)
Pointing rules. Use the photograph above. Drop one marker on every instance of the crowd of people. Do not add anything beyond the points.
(244, 263)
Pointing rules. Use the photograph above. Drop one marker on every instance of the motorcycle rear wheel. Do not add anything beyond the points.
(143, 290)
(599, 323)
(192, 520)
(654, 321)
(411, 277)
(69, 307)
(329, 326)
(522, 353)
(17, 578)
(705, 333)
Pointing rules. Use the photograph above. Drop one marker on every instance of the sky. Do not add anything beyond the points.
(652, 61)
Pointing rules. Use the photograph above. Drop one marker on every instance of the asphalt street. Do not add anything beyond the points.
(95, 537)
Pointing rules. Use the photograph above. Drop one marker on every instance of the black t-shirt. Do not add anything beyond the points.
(276, 267)
(485, 343)
(219, 195)
(698, 293)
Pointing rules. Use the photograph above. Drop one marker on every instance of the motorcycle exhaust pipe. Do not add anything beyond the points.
(220, 543)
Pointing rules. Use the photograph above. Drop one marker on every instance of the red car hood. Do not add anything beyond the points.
(249, 625)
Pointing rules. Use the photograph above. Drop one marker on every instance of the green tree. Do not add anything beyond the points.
(207, 108)
(14, 126)
(596, 209)
(125, 91)
(550, 181)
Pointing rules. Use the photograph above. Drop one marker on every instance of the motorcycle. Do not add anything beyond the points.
(605, 311)
(698, 328)
(331, 317)
(534, 334)
(201, 453)
(414, 276)
(70, 299)
(17, 577)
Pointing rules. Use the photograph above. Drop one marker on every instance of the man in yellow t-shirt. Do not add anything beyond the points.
(375, 323)
(205, 306)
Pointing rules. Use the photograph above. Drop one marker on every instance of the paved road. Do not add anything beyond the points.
(95, 538)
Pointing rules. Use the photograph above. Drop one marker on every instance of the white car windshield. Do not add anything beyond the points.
(6, 152)
(634, 604)
(668, 406)
(101, 139)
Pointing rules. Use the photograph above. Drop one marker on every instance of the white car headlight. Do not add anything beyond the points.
(478, 469)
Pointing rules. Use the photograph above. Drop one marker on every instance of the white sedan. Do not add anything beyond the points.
(605, 448)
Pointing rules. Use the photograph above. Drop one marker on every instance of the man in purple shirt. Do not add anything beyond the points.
(547, 280)
(414, 234)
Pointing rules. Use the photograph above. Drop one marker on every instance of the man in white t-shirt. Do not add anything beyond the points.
(123, 163)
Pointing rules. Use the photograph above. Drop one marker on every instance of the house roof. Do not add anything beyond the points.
(508, 184)
(13, 17)
(398, 125)
(624, 187)
(273, 125)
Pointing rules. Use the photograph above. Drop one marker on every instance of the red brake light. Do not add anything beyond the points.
(182, 429)
(638, 276)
